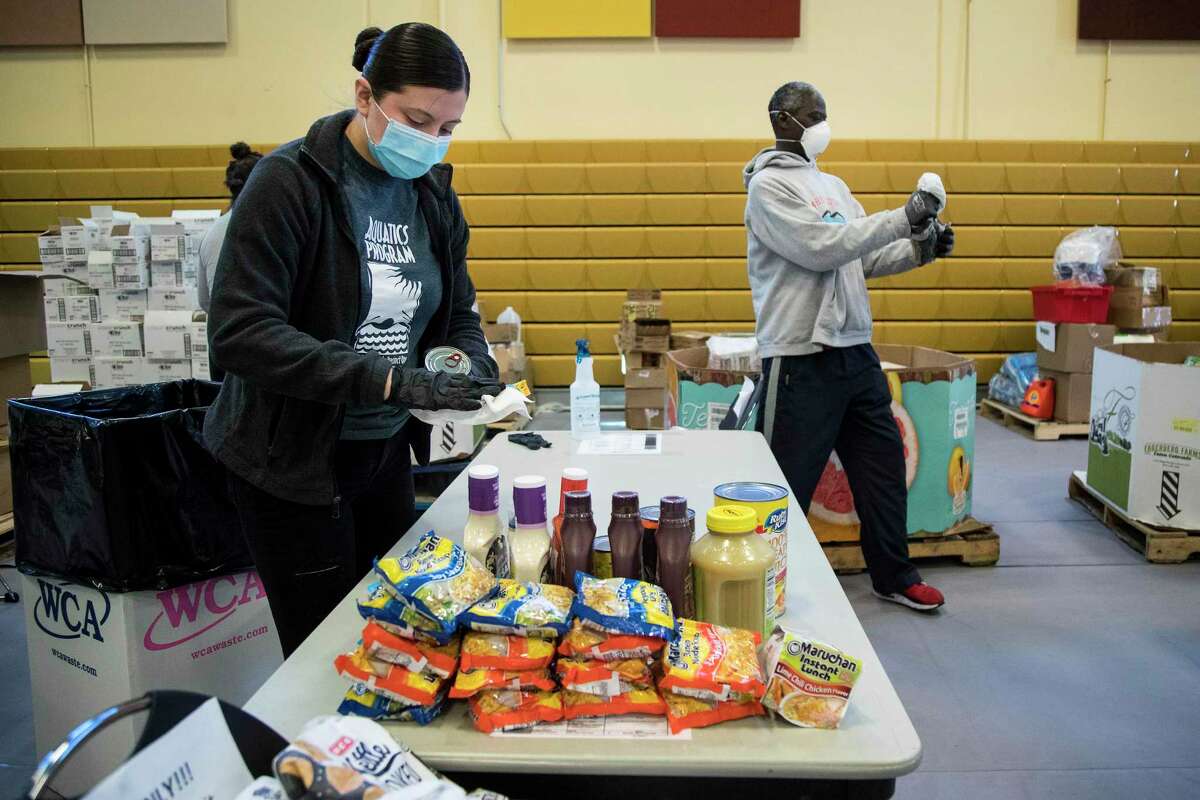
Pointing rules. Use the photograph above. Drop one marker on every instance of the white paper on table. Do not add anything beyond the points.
(633, 443)
(195, 760)
(623, 727)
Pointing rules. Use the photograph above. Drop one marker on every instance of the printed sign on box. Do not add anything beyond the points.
(933, 403)
(90, 649)
(1144, 443)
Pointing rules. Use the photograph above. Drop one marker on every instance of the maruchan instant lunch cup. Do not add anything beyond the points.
(770, 504)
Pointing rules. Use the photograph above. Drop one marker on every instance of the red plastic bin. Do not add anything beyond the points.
(1083, 304)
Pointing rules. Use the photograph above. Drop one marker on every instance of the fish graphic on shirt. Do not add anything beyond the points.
(394, 301)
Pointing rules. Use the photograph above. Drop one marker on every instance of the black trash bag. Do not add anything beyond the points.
(114, 488)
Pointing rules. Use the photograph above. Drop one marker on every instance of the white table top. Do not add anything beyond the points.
(876, 738)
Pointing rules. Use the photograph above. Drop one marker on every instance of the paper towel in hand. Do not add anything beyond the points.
(932, 182)
(494, 409)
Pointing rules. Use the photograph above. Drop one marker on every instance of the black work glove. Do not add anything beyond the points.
(945, 241)
(921, 209)
(439, 391)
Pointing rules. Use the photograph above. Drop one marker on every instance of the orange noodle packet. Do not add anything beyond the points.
(712, 663)
(589, 643)
(390, 681)
(691, 712)
(638, 701)
(605, 678)
(500, 651)
(492, 711)
(468, 683)
(380, 644)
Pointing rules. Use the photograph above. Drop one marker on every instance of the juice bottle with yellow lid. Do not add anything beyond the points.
(733, 572)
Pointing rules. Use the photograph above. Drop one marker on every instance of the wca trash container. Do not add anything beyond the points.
(114, 488)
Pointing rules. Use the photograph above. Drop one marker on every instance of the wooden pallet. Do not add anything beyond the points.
(1041, 430)
(973, 543)
(1158, 545)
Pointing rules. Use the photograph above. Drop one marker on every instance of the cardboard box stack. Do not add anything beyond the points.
(508, 349)
(1065, 353)
(1140, 302)
(124, 310)
(644, 339)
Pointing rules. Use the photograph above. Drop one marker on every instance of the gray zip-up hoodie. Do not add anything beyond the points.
(810, 247)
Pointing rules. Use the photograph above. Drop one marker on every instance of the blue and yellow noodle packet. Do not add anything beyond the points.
(397, 617)
(360, 701)
(437, 578)
(526, 609)
(623, 605)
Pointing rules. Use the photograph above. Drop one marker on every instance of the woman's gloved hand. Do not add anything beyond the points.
(439, 391)
(921, 209)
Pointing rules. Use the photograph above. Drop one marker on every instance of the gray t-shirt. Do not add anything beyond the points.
(406, 280)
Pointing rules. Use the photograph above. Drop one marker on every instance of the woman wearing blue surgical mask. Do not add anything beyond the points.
(343, 265)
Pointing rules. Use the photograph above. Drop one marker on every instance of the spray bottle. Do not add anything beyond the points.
(585, 395)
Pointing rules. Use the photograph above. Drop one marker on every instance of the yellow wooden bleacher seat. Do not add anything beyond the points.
(144, 183)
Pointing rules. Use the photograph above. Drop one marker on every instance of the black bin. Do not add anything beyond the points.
(114, 488)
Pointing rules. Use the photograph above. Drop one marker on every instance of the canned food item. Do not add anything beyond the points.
(770, 503)
(448, 359)
(602, 558)
(649, 516)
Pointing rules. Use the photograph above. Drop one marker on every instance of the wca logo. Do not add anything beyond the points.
(61, 613)
(189, 611)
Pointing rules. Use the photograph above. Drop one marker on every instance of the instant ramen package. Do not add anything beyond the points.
(470, 683)
(605, 678)
(712, 663)
(438, 579)
(352, 758)
(524, 609)
(623, 605)
(691, 712)
(808, 682)
(589, 643)
(399, 618)
(498, 651)
(380, 644)
(638, 701)
(393, 682)
(511, 711)
(360, 701)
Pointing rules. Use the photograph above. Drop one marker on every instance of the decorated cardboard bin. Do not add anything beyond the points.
(933, 401)
(1144, 443)
(699, 397)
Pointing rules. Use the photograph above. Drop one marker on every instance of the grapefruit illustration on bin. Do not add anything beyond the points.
(832, 513)
(958, 478)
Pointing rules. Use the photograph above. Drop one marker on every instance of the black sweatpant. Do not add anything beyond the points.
(839, 398)
(310, 557)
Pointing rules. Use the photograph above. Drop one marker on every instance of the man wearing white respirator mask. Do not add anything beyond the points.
(810, 248)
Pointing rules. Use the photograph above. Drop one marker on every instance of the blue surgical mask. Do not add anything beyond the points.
(404, 151)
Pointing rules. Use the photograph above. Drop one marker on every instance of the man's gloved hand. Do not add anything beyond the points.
(924, 243)
(945, 241)
(439, 391)
(921, 208)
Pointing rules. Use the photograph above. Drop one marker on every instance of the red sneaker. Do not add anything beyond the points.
(920, 596)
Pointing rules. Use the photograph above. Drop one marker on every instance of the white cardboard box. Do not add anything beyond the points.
(50, 246)
(1144, 446)
(76, 308)
(168, 242)
(100, 270)
(200, 339)
(173, 275)
(169, 334)
(129, 244)
(159, 370)
(68, 339)
(64, 370)
(78, 238)
(108, 373)
(73, 281)
(90, 649)
(173, 299)
(117, 339)
(201, 370)
(118, 305)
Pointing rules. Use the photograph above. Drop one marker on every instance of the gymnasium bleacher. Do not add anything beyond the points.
(560, 229)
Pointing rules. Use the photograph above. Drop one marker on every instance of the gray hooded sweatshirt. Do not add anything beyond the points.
(810, 247)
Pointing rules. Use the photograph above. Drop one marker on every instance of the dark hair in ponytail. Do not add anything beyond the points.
(412, 54)
(239, 168)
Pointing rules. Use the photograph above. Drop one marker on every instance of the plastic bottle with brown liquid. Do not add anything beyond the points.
(578, 535)
(673, 542)
(625, 536)
(574, 479)
(734, 572)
